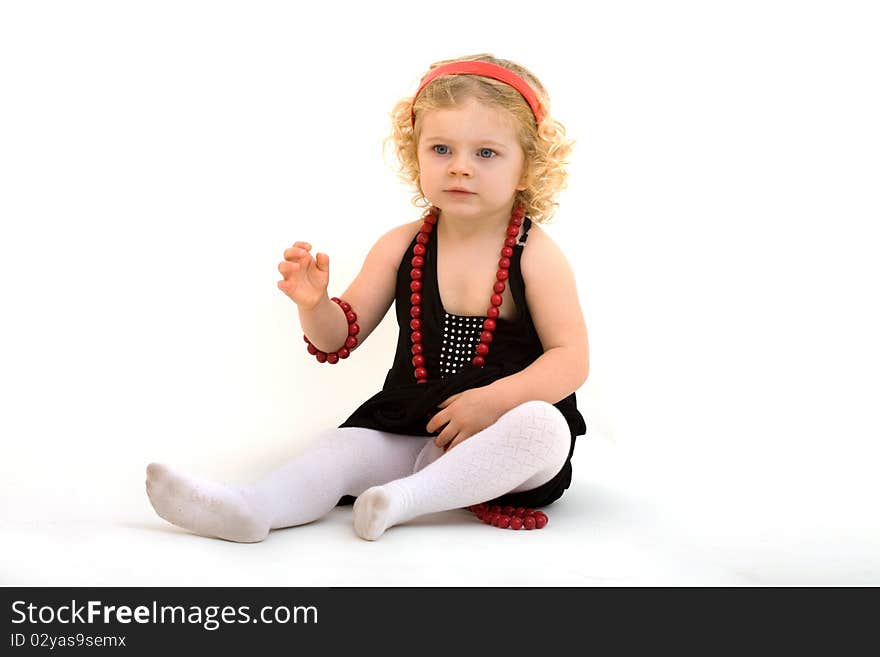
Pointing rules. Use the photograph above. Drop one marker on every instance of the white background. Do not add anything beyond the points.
(157, 158)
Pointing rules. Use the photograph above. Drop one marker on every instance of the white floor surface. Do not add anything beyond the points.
(616, 526)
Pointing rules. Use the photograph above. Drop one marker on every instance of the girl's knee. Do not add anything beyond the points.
(545, 419)
(542, 412)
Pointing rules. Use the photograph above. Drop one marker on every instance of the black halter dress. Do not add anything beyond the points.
(404, 406)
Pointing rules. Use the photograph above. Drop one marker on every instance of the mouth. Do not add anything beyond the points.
(457, 191)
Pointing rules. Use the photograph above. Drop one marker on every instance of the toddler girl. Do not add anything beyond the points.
(479, 404)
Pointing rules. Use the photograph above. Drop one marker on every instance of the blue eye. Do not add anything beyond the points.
(485, 153)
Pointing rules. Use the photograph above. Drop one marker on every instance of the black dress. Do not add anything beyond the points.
(404, 406)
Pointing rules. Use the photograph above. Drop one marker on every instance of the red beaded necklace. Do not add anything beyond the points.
(492, 313)
(506, 517)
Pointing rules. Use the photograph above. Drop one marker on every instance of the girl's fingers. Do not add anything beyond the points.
(298, 250)
(447, 443)
(437, 420)
(322, 261)
(298, 269)
(446, 436)
(460, 438)
(295, 253)
(287, 268)
(447, 402)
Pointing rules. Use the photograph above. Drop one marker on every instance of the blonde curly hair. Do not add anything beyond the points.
(545, 147)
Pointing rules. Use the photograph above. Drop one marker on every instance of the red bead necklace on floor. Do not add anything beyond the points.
(508, 517)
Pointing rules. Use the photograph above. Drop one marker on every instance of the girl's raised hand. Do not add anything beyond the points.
(305, 278)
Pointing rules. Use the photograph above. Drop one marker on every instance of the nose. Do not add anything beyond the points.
(459, 165)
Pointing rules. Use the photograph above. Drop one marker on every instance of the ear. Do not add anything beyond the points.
(524, 180)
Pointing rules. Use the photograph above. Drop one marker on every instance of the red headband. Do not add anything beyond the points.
(486, 70)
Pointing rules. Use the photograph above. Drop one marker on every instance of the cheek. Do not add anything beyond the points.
(426, 171)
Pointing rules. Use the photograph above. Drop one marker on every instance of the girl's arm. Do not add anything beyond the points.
(370, 294)
(551, 294)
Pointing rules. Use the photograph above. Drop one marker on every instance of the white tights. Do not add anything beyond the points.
(395, 478)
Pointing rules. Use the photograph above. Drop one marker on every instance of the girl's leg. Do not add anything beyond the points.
(525, 448)
(338, 462)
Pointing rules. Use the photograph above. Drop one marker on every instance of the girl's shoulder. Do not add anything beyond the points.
(400, 236)
(542, 256)
(394, 242)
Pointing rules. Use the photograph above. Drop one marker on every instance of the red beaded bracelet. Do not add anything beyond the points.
(350, 342)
